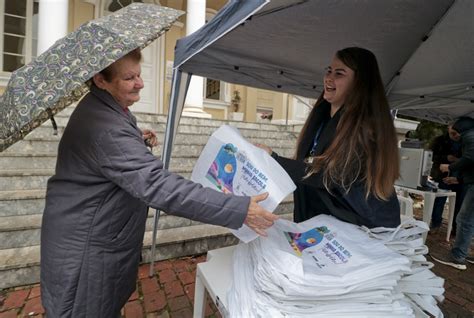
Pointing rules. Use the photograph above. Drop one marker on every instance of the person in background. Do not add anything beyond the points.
(96, 202)
(459, 255)
(445, 151)
(346, 159)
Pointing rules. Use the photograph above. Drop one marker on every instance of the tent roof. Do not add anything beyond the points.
(284, 45)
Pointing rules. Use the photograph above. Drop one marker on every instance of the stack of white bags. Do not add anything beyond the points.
(324, 267)
(321, 267)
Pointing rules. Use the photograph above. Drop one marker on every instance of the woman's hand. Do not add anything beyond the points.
(444, 167)
(150, 137)
(451, 180)
(259, 219)
(265, 147)
(452, 158)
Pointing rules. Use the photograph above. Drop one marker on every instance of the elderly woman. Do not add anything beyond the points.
(96, 203)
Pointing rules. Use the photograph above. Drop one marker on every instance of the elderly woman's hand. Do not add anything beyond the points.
(259, 219)
(150, 137)
(264, 147)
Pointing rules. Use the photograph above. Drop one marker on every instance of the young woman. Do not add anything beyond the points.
(346, 159)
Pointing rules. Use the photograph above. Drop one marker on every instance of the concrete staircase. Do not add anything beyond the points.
(26, 166)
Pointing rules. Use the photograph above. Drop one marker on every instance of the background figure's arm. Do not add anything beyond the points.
(466, 161)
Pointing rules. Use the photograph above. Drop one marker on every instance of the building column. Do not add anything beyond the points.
(52, 22)
(195, 18)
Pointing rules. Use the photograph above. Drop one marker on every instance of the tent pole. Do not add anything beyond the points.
(179, 89)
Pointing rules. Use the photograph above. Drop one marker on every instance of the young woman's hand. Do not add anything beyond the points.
(451, 180)
(264, 147)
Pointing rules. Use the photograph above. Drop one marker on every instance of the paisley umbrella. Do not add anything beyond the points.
(57, 77)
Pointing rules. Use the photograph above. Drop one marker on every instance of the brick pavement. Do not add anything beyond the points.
(170, 292)
(459, 285)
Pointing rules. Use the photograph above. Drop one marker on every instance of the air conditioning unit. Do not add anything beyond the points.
(415, 168)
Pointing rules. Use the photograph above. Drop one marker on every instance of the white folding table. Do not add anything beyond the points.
(215, 276)
(429, 198)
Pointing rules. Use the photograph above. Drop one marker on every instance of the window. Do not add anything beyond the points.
(264, 114)
(302, 107)
(18, 33)
(213, 89)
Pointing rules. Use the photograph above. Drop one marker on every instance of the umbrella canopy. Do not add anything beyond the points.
(425, 48)
(56, 78)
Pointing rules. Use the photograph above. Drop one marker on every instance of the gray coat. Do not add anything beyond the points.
(96, 208)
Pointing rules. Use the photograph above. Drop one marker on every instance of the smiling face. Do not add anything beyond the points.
(338, 82)
(126, 82)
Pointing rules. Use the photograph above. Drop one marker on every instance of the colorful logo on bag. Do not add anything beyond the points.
(222, 170)
(301, 241)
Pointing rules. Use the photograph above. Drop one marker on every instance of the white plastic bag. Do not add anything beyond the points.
(377, 280)
(230, 164)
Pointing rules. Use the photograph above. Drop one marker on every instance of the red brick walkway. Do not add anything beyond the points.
(170, 292)
(459, 285)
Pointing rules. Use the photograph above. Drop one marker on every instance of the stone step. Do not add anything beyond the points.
(207, 127)
(185, 143)
(36, 179)
(49, 144)
(47, 133)
(33, 145)
(18, 180)
(24, 230)
(148, 118)
(17, 199)
(20, 266)
(32, 179)
(21, 202)
(20, 231)
(28, 172)
(182, 155)
(22, 161)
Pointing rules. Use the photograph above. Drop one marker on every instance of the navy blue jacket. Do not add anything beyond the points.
(312, 198)
(465, 164)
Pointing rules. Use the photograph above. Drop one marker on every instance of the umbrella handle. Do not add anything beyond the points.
(53, 122)
(148, 143)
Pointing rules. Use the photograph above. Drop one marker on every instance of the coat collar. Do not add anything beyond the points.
(110, 101)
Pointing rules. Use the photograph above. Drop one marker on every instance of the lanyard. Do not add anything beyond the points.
(316, 140)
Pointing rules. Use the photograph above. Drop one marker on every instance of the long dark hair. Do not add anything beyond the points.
(365, 146)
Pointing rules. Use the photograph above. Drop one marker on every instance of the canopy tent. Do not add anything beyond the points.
(425, 50)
